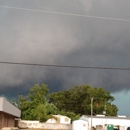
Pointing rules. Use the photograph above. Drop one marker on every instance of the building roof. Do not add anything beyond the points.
(86, 117)
(7, 107)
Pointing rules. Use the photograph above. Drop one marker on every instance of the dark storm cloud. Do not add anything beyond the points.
(35, 37)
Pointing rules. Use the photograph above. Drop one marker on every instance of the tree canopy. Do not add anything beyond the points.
(76, 101)
(33, 106)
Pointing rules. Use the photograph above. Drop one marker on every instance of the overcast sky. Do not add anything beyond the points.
(29, 34)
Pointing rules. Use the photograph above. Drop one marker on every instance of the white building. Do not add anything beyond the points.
(121, 121)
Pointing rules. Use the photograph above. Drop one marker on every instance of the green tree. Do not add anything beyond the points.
(37, 105)
(111, 109)
(40, 113)
(33, 106)
(78, 100)
(101, 99)
(51, 109)
(37, 94)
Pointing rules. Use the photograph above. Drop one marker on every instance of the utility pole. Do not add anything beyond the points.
(91, 111)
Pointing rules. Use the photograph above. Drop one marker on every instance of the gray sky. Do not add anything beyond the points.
(49, 38)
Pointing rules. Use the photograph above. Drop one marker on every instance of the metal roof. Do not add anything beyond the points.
(7, 107)
(86, 117)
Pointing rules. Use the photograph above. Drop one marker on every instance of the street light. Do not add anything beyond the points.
(104, 112)
(91, 110)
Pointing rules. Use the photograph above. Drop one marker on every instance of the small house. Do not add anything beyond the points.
(60, 119)
(8, 113)
(80, 125)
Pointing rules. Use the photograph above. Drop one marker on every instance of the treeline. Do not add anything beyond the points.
(38, 104)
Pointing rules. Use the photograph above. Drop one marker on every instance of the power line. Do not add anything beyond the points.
(64, 66)
(68, 14)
